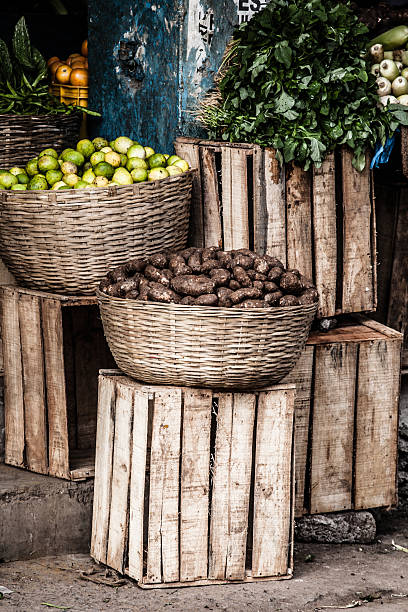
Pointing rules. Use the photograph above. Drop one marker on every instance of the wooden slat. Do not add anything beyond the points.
(397, 316)
(385, 331)
(333, 427)
(58, 446)
(137, 485)
(13, 379)
(235, 198)
(302, 377)
(67, 300)
(119, 510)
(6, 277)
(273, 483)
(103, 468)
(231, 486)
(163, 529)
(33, 383)
(325, 235)
(269, 204)
(377, 424)
(211, 200)
(358, 256)
(195, 477)
(298, 219)
(191, 153)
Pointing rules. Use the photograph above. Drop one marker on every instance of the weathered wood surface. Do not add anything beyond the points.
(298, 220)
(211, 199)
(13, 379)
(325, 235)
(190, 151)
(58, 443)
(183, 513)
(302, 376)
(273, 483)
(33, 383)
(358, 265)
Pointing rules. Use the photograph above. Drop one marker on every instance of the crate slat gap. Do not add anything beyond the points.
(40, 396)
(296, 214)
(184, 546)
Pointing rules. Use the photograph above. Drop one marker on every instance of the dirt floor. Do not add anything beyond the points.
(327, 577)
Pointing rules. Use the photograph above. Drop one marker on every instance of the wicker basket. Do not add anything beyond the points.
(65, 241)
(24, 137)
(201, 346)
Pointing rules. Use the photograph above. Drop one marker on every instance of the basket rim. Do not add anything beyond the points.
(47, 115)
(56, 197)
(204, 310)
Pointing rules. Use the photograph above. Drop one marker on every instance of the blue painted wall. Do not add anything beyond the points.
(179, 45)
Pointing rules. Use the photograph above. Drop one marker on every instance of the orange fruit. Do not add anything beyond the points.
(86, 64)
(84, 48)
(53, 68)
(76, 63)
(79, 77)
(53, 59)
(63, 74)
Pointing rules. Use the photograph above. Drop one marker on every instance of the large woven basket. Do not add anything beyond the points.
(65, 241)
(23, 137)
(201, 346)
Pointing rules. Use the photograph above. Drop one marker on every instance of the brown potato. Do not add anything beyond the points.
(158, 293)
(309, 296)
(208, 265)
(132, 295)
(259, 276)
(131, 284)
(275, 273)
(187, 253)
(241, 276)
(234, 284)
(209, 253)
(243, 261)
(290, 283)
(225, 259)
(159, 260)
(294, 271)
(208, 299)
(248, 293)
(252, 304)
(143, 289)
(188, 301)
(270, 287)
(192, 285)
(273, 298)
(220, 276)
(246, 252)
(178, 266)
(116, 275)
(261, 265)
(223, 294)
(306, 283)
(157, 276)
(289, 300)
(135, 265)
(258, 285)
(194, 261)
(273, 262)
(104, 284)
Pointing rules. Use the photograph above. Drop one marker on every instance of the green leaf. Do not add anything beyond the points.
(284, 103)
(6, 68)
(283, 53)
(21, 44)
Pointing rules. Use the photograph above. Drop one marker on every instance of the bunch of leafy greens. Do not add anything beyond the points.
(296, 79)
(23, 79)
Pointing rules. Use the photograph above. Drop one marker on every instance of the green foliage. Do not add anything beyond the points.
(23, 79)
(296, 80)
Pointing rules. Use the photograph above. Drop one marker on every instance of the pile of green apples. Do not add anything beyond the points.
(93, 164)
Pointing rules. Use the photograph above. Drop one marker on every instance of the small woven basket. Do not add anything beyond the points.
(202, 346)
(66, 241)
(23, 137)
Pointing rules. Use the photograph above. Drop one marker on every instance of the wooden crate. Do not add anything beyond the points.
(346, 418)
(193, 486)
(321, 222)
(53, 348)
(392, 217)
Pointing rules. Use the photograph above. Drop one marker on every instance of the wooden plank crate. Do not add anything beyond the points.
(193, 486)
(53, 349)
(392, 218)
(321, 221)
(346, 418)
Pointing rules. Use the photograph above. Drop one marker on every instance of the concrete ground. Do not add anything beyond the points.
(327, 577)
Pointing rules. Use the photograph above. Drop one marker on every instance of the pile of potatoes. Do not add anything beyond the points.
(210, 277)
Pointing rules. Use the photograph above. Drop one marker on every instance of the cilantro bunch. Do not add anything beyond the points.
(296, 79)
